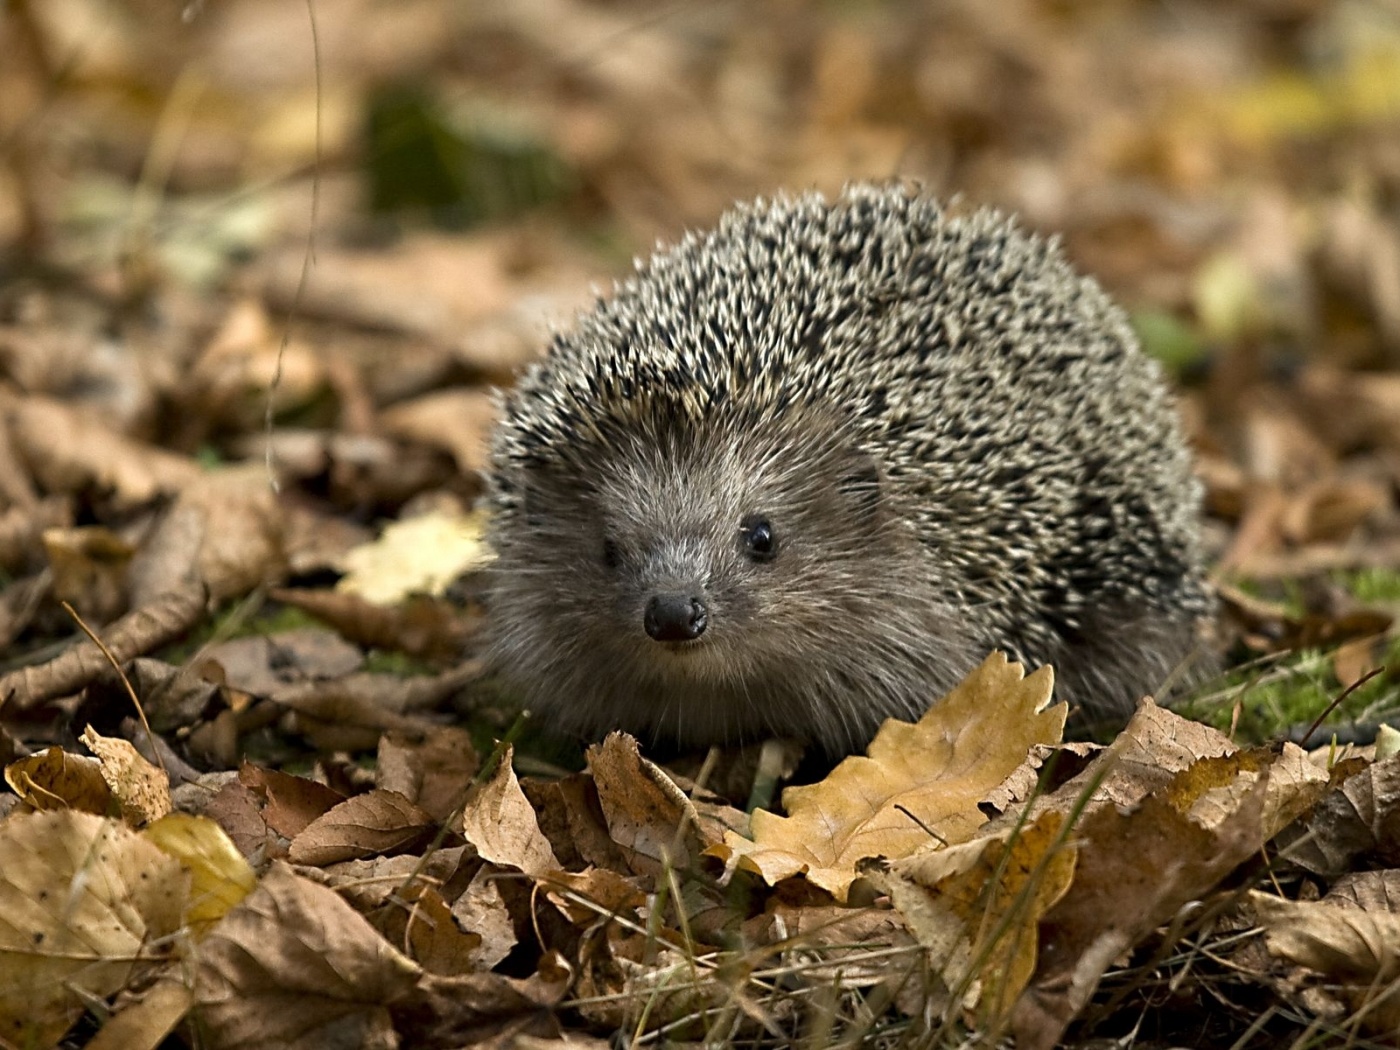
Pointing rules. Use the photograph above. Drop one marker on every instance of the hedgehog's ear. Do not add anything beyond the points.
(862, 484)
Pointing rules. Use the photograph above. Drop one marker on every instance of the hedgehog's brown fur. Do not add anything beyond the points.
(954, 438)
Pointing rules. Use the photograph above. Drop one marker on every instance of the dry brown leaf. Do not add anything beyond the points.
(588, 896)
(70, 451)
(143, 1022)
(229, 384)
(458, 421)
(420, 924)
(85, 901)
(919, 781)
(482, 910)
(976, 907)
(1360, 817)
(350, 713)
(501, 824)
(54, 779)
(1330, 511)
(262, 664)
(291, 803)
(141, 789)
(1135, 869)
(295, 967)
(1213, 789)
(572, 820)
(89, 570)
(1345, 944)
(136, 633)
(487, 1009)
(648, 815)
(376, 822)
(432, 772)
(367, 884)
(236, 809)
(423, 626)
(224, 530)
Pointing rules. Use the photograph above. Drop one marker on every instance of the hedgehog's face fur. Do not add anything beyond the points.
(696, 579)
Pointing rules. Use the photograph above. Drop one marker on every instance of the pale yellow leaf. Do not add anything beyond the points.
(84, 903)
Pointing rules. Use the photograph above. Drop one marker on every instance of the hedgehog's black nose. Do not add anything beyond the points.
(675, 617)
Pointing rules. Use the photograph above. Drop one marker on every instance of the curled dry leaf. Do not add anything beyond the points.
(1356, 947)
(294, 966)
(919, 782)
(500, 822)
(976, 907)
(373, 823)
(54, 779)
(1360, 816)
(647, 813)
(85, 903)
(1135, 869)
(141, 789)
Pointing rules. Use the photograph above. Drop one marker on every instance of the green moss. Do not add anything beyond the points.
(1371, 586)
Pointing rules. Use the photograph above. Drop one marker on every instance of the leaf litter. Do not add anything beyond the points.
(257, 495)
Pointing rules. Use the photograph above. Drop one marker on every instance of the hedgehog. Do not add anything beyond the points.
(800, 474)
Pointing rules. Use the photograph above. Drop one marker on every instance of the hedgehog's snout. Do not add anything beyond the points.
(675, 617)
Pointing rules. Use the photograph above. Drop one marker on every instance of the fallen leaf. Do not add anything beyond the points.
(501, 824)
(141, 789)
(976, 907)
(291, 802)
(373, 823)
(648, 815)
(294, 966)
(918, 782)
(143, 1022)
(432, 772)
(458, 421)
(85, 903)
(54, 779)
(220, 877)
(420, 625)
(420, 555)
(1135, 869)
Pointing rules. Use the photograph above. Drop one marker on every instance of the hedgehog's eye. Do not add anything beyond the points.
(759, 540)
(612, 556)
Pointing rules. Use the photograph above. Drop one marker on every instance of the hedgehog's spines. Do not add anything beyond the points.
(1026, 450)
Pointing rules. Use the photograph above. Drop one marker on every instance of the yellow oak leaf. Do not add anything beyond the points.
(918, 783)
